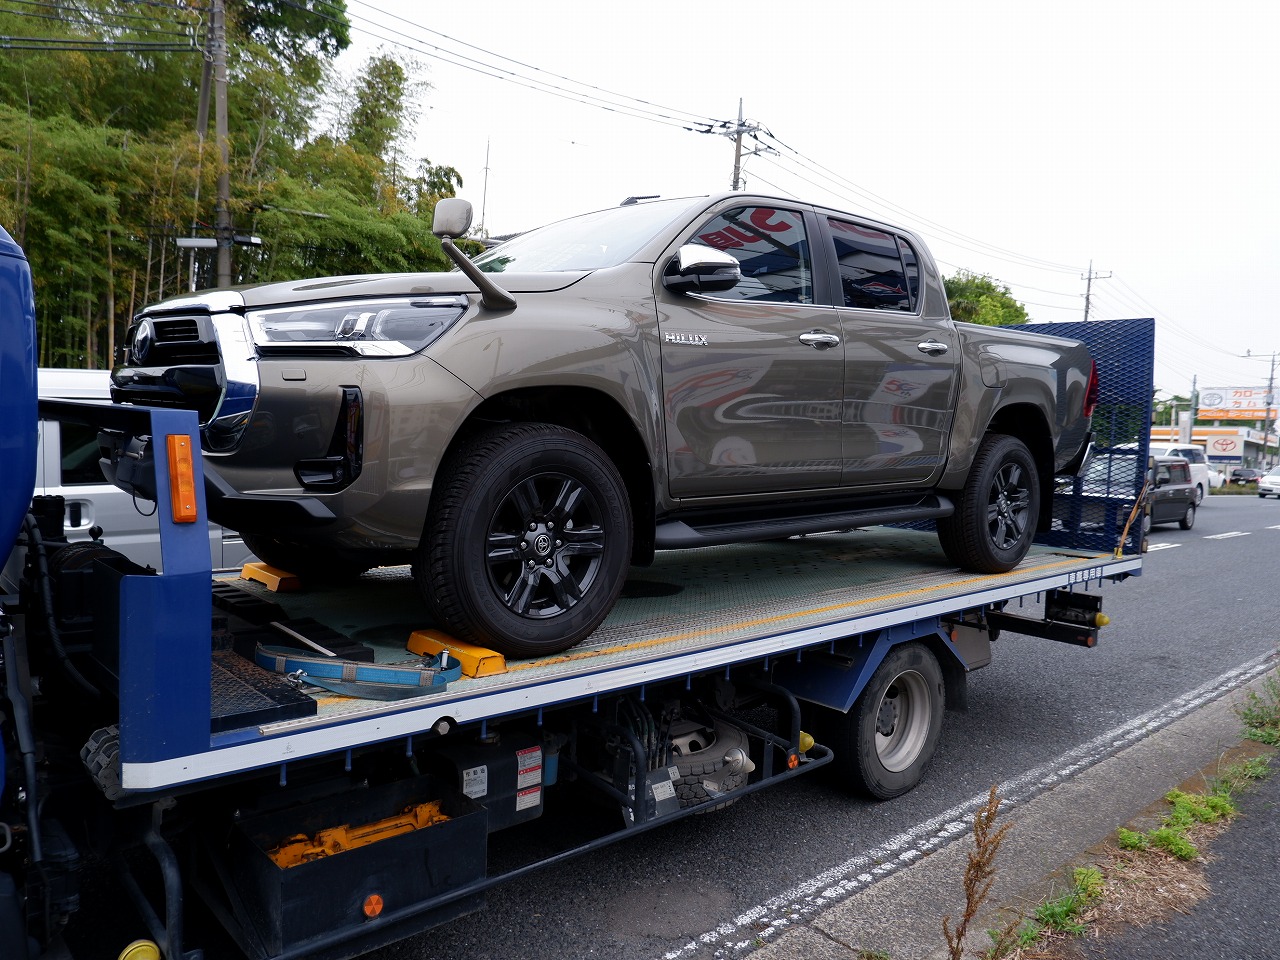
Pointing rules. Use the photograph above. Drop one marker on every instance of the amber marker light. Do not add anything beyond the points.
(182, 479)
(372, 906)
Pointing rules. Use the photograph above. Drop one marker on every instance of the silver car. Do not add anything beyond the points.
(68, 465)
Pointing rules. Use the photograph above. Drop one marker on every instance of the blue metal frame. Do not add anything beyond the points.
(17, 389)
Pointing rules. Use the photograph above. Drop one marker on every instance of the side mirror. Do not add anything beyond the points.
(452, 217)
(699, 269)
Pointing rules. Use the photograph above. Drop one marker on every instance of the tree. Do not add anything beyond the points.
(102, 169)
(976, 298)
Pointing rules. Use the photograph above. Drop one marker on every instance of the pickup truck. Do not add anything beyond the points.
(670, 374)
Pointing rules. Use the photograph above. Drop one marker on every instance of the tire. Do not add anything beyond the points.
(709, 773)
(495, 565)
(1199, 494)
(303, 560)
(884, 742)
(1189, 518)
(992, 527)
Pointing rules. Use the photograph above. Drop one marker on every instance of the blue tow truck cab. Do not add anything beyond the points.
(325, 775)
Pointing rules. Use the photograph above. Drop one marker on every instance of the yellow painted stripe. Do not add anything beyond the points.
(765, 621)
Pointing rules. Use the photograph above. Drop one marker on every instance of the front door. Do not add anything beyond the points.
(753, 377)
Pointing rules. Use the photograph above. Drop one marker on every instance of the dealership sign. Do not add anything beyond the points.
(1226, 448)
(1235, 403)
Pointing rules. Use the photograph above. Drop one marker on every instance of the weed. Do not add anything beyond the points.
(873, 955)
(979, 874)
(1131, 839)
(1261, 713)
(1063, 915)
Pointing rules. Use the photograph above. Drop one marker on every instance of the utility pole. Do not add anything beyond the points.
(484, 194)
(1270, 399)
(218, 48)
(737, 131)
(1088, 287)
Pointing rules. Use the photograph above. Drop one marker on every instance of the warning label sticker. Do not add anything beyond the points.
(528, 798)
(663, 790)
(528, 766)
(475, 782)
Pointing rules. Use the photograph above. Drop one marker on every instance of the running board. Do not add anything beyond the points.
(678, 535)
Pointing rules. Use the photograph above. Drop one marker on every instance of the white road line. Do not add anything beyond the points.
(1153, 547)
(1228, 536)
(836, 884)
(1276, 527)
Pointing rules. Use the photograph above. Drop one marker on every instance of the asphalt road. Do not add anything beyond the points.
(1200, 616)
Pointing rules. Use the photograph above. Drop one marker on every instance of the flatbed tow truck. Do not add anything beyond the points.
(236, 742)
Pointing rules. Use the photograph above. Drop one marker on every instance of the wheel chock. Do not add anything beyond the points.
(476, 661)
(275, 579)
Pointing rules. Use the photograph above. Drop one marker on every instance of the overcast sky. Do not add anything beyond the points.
(1021, 140)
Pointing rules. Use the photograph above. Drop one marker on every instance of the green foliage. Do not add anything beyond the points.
(102, 168)
(1131, 839)
(1061, 915)
(1261, 713)
(976, 298)
(1173, 842)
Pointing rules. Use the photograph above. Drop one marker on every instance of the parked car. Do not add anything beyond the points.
(1245, 475)
(1217, 479)
(68, 465)
(662, 375)
(1173, 494)
(1195, 456)
(1269, 485)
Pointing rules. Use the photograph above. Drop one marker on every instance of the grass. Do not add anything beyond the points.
(1261, 713)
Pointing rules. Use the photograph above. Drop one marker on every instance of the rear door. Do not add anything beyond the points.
(901, 364)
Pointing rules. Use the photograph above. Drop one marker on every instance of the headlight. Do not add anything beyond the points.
(382, 328)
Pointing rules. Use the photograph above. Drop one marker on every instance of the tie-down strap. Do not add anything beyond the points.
(372, 681)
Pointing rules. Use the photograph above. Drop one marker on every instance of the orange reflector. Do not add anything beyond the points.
(793, 761)
(372, 905)
(182, 479)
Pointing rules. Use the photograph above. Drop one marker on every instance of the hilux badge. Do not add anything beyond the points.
(689, 339)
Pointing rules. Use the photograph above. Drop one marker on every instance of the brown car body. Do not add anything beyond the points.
(803, 383)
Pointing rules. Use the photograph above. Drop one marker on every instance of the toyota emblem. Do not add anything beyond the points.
(143, 337)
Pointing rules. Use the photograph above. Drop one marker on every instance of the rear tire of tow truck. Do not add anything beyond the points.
(884, 742)
(528, 540)
(996, 517)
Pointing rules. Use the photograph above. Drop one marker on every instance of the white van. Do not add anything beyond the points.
(1194, 455)
(67, 466)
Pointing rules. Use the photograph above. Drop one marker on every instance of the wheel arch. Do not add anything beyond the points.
(1027, 423)
(597, 416)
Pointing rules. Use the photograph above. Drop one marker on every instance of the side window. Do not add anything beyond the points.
(878, 270)
(771, 247)
(79, 454)
(1162, 473)
(1181, 473)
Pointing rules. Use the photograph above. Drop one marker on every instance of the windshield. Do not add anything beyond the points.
(594, 240)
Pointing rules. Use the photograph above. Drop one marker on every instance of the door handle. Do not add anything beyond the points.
(932, 347)
(819, 340)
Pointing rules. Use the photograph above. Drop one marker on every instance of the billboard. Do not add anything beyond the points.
(1234, 403)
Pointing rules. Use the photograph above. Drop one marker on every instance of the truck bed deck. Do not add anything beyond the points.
(691, 610)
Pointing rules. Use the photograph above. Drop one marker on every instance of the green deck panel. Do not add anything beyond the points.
(687, 600)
